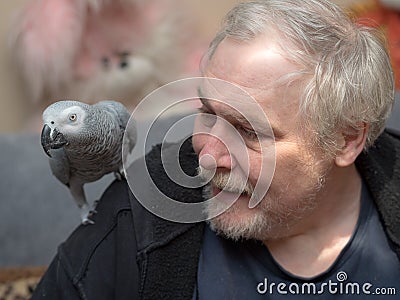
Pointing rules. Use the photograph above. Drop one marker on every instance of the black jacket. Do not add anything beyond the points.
(131, 254)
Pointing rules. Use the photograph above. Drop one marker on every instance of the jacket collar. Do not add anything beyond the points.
(380, 169)
(168, 252)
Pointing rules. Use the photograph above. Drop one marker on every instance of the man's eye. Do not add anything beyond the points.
(247, 133)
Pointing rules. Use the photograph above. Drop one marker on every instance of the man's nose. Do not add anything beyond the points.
(215, 154)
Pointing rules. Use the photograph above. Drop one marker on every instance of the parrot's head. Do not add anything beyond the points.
(63, 122)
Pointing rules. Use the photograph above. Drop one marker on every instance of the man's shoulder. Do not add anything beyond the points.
(380, 168)
(77, 251)
(393, 131)
(385, 149)
(96, 258)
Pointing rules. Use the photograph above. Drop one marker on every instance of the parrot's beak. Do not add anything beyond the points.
(51, 140)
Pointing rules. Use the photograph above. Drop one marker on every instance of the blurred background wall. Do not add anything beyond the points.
(14, 107)
(17, 108)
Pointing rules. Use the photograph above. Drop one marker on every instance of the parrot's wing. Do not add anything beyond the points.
(59, 165)
(117, 109)
(129, 141)
(130, 135)
(122, 116)
(128, 127)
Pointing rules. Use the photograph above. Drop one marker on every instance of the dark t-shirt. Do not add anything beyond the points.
(366, 267)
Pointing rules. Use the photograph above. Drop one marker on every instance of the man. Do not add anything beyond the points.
(326, 225)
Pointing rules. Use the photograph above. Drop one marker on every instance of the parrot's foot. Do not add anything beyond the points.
(86, 213)
(87, 221)
(92, 212)
(118, 175)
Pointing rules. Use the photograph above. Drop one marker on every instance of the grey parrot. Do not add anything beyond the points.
(84, 142)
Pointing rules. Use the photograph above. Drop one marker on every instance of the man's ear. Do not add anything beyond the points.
(352, 144)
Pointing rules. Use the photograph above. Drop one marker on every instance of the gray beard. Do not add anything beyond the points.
(270, 219)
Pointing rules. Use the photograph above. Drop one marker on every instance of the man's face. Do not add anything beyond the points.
(267, 76)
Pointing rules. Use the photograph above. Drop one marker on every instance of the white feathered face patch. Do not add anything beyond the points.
(67, 119)
(70, 120)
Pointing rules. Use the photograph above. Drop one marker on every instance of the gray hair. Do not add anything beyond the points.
(350, 76)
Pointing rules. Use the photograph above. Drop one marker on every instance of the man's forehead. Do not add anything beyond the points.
(260, 62)
(222, 93)
(252, 99)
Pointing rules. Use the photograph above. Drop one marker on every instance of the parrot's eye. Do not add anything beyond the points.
(72, 117)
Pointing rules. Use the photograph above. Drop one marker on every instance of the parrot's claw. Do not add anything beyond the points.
(87, 221)
(95, 203)
(118, 175)
(86, 213)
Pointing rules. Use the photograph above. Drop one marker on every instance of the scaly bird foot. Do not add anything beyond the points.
(92, 212)
(87, 221)
(118, 175)
(86, 212)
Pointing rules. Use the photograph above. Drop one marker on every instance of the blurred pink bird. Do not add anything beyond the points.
(101, 49)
